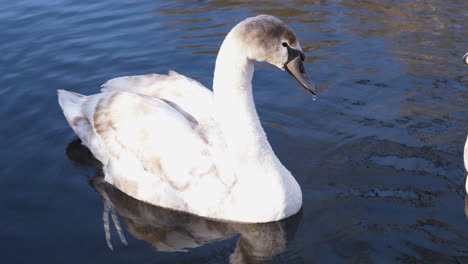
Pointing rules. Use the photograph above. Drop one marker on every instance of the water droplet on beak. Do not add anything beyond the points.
(314, 97)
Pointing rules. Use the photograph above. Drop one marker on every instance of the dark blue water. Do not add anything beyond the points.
(378, 155)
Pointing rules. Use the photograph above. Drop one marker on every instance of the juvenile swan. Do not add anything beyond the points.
(169, 141)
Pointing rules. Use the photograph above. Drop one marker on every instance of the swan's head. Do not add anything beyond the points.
(266, 38)
(465, 58)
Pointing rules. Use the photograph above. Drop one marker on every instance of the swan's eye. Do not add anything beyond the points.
(285, 44)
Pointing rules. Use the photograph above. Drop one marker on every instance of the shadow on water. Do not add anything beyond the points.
(174, 231)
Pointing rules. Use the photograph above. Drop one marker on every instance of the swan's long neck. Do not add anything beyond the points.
(235, 108)
(253, 164)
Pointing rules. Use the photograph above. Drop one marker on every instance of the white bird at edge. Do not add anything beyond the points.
(465, 151)
(169, 141)
(465, 161)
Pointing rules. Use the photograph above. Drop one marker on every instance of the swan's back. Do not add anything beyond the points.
(183, 93)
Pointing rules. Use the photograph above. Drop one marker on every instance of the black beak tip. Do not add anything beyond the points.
(313, 91)
(309, 87)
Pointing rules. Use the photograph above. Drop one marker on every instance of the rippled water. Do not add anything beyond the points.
(378, 155)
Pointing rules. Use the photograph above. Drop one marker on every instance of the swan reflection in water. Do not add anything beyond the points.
(169, 230)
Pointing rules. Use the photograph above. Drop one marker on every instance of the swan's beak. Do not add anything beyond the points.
(296, 68)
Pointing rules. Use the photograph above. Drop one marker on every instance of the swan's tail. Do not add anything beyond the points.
(70, 103)
(72, 107)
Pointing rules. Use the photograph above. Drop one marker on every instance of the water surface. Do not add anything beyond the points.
(378, 155)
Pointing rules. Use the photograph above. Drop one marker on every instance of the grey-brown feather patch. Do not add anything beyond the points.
(104, 125)
(76, 120)
(260, 30)
(155, 167)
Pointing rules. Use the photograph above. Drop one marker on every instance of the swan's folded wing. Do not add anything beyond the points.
(187, 93)
(150, 84)
(145, 136)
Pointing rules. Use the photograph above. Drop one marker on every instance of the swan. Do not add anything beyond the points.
(465, 150)
(465, 160)
(169, 141)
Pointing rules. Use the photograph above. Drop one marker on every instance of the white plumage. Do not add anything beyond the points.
(169, 141)
(465, 160)
(465, 154)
